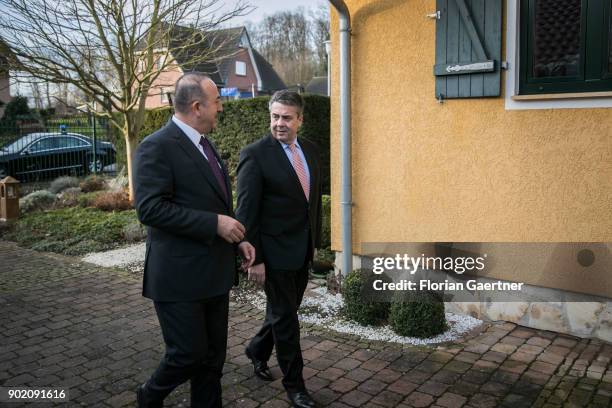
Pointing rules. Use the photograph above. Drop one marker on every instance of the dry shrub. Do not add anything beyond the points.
(68, 198)
(113, 201)
(63, 183)
(6, 226)
(120, 182)
(93, 183)
(37, 201)
(134, 232)
(87, 199)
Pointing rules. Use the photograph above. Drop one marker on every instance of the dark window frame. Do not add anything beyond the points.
(594, 73)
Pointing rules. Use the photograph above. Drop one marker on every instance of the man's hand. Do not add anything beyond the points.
(229, 229)
(247, 252)
(257, 273)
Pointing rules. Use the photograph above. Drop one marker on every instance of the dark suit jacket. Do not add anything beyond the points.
(279, 221)
(178, 198)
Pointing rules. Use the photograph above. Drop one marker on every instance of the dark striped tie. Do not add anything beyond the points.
(214, 165)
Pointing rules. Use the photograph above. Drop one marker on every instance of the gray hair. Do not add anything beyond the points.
(289, 98)
(188, 88)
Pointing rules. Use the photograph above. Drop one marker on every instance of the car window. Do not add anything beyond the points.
(70, 141)
(44, 144)
(17, 145)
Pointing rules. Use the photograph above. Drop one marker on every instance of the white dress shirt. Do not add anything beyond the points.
(191, 133)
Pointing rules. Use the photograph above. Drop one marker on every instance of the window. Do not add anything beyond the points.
(67, 142)
(565, 46)
(43, 144)
(160, 61)
(241, 68)
(163, 93)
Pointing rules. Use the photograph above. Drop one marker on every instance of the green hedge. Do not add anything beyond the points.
(246, 120)
(16, 110)
(326, 222)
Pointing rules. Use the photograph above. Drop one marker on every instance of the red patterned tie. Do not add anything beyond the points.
(298, 165)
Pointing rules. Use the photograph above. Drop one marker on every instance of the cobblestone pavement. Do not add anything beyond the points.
(69, 324)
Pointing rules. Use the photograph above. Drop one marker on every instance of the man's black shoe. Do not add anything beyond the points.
(301, 399)
(141, 398)
(260, 368)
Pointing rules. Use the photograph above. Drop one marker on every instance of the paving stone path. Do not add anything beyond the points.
(70, 324)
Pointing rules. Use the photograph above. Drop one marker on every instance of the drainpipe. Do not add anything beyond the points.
(345, 134)
(328, 54)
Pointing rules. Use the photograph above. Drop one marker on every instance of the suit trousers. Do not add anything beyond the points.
(195, 334)
(281, 328)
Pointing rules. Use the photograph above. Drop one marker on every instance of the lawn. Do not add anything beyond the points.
(72, 231)
(87, 215)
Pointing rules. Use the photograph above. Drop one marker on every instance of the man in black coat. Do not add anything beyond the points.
(182, 193)
(279, 203)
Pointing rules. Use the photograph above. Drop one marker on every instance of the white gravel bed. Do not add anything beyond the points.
(132, 257)
(318, 306)
(459, 325)
(257, 300)
(323, 309)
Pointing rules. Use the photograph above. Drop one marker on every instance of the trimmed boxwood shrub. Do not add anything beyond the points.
(418, 314)
(356, 307)
(244, 121)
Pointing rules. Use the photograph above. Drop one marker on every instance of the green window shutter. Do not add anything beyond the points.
(468, 48)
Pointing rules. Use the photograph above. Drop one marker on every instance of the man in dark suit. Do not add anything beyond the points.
(279, 202)
(182, 193)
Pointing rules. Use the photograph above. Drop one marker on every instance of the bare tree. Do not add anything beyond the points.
(48, 89)
(41, 93)
(111, 50)
(319, 33)
(294, 43)
(37, 95)
(283, 39)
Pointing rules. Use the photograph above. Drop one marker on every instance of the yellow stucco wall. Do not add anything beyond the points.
(465, 170)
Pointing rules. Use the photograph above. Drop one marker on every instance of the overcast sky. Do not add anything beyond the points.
(268, 7)
(262, 8)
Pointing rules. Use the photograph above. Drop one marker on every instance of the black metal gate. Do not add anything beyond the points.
(37, 150)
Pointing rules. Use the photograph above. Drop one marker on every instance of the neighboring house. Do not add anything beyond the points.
(62, 108)
(317, 86)
(515, 163)
(5, 89)
(240, 72)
